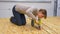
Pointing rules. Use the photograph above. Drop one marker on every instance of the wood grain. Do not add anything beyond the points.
(49, 26)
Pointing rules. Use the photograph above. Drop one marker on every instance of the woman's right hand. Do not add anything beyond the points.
(37, 22)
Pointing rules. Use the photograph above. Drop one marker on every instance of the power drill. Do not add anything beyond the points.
(39, 25)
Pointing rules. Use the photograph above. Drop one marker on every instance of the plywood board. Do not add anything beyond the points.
(49, 26)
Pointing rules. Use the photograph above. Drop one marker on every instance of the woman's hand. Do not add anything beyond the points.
(37, 22)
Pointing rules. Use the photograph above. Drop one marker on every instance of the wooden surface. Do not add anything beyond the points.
(49, 26)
